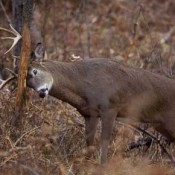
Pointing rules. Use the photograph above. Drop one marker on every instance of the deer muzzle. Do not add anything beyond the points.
(43, 92)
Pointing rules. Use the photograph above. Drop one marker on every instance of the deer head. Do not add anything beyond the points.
(38, 77)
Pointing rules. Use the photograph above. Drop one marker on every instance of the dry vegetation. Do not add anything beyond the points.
(51, 139)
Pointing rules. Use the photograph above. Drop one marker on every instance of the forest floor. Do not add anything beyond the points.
(51, 137)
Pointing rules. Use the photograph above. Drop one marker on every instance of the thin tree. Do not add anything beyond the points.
(22, 24)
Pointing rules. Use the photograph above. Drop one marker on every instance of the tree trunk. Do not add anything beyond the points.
(27, 7)
(17, 8)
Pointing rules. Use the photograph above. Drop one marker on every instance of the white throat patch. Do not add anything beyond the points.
(45, 86)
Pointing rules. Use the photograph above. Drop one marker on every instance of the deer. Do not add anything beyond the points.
(105, 89)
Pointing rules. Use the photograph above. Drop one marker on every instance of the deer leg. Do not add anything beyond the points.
(108, 119)
(90, 129)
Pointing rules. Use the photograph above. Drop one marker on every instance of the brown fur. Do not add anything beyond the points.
(106, 89)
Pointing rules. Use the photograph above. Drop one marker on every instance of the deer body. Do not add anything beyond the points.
(106, 89)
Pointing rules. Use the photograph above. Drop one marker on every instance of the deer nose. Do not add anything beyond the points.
(43, 92)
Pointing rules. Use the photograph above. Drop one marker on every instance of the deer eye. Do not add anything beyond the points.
(35, 71)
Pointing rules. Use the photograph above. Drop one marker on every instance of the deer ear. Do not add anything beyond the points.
(39, 54)
(39, 51)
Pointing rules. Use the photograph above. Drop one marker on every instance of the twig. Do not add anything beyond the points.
(136, 20)
(7, 159)
(26, 133)
(167, 35)
(158, 142)
(25, 167)
(12, 72)
(154, 138)
(147, 25)
(11, 142)
(140, 143)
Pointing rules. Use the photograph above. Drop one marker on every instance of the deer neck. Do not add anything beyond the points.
(68, 84)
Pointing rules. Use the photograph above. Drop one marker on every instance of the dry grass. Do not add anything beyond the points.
(52, 142)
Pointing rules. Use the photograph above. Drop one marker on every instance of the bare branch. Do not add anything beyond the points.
(26, 133)
(15, 39)
(167, 35)
(136, 20)
(140, 142)
(12, 72)
(159, 143)
(154, 138)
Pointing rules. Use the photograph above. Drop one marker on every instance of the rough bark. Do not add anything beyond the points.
(24, 61)
(23, 66)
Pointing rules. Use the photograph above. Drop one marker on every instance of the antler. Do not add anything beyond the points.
(15, 39)
(4, 82)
